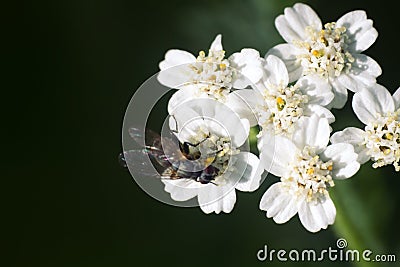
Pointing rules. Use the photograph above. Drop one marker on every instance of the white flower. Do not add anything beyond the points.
(238, 101)
(214, 73)
(211, 76)
(380, 139)
(333, 51)
(216, 135)
(279, 105)
(306, 166)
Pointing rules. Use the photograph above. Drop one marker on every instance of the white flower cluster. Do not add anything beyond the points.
(288, 95)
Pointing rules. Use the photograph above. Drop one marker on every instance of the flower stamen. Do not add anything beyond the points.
(383, 140)
(326, 51)
(309, 175)
(282, 108)
(213, 73)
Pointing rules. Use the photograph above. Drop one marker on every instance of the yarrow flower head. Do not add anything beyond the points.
(281, 105)
(210, 75)
(307, 167)
(380, 139)
(332, 51)
(213, 74)
(288, 95)
(215, 134)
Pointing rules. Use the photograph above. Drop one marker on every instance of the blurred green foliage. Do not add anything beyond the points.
(71, 68)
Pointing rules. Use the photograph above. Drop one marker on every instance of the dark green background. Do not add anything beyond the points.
(70, 69)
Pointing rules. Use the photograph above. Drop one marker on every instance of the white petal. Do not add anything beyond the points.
(189, 129)
(321, 112)
(218, 117)
(366, 64)
(350, 135)
(363, 154)
(176, 57)
(286, 31)
(181, 189)
(329, 209)
(355, 137)
(312, 131)
(372, 101)
(277, 73)
(290, 208)
(278, 203)
(238, 129)
(239, 132)
(216, 45)
(359, 30)
(362, 74)
(292, 25)
(276, 153)
(175, 77)
(216, 198)
(344, 160)
(366, 40)
(247, 76)
(318, 90)
(288, 53)
(251, 178)
(244, 102)
(180, 97)
(340, 92)
(350, 82)
(249, 65)
(183, 113)
(175, 70)
(396, 98)
(316, 216)
(269, 197)
(308, 16)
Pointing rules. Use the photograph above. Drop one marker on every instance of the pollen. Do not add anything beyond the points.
(385, 150)
(310, 177)
(282, 108)
(388, 136)
(209, 160)
(213, 70)
(280, 102)
(317, 53)
(325, 51)
(382, 140)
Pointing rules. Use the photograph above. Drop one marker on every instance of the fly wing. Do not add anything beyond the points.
(172, 151)
(165, 151)
(147, 138)
(134, 159)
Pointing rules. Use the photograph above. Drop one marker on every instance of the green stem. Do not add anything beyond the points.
(352, 222)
